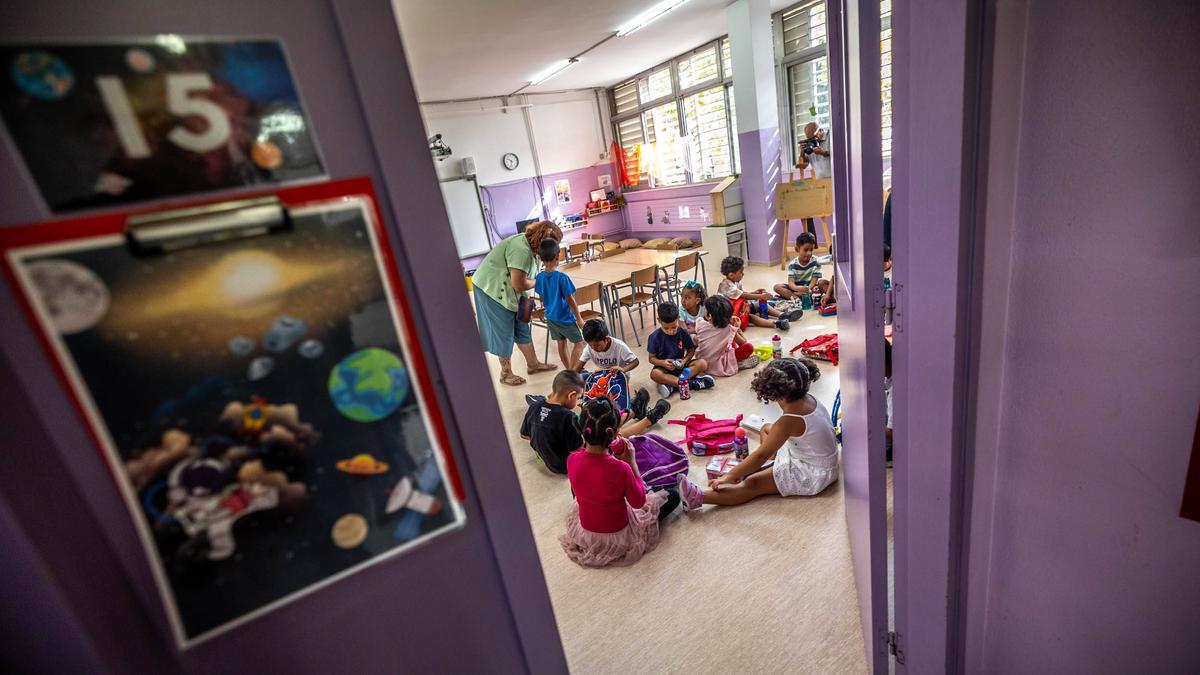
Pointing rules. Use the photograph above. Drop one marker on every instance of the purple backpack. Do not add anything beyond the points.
(660, 461)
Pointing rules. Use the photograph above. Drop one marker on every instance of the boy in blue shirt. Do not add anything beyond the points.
(671, 350)
(558, 298)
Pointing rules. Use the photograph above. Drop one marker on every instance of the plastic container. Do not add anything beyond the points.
(806, 301)
(685, 389)
(776, 347)
(741, 445)
(763, 309)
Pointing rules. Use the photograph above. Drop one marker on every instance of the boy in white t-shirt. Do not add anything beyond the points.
(604, 351)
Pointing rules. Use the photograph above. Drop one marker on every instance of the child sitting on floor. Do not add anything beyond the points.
(745, 304)
(691, 305)
(804, 272)
(604, 351)
(614, 521)
(722, 344)
(672, 351)
(553, 431)
(802, 444)
(557, 292)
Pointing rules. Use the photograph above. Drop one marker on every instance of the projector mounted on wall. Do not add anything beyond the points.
(439, 149)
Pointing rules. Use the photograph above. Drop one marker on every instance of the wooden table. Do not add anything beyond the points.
(649, 256)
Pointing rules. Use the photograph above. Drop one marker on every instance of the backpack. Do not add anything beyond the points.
(824, 347)
(708, 437)
(611, 383)
(660, 461)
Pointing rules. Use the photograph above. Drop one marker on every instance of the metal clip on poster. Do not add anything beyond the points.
(165, 231)
(252, 377)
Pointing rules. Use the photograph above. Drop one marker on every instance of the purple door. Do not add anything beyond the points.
(858, 195)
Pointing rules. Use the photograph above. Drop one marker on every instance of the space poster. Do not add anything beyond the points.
(109, 124)
(257, 403)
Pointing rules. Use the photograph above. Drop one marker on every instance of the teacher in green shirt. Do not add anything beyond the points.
(507, 272)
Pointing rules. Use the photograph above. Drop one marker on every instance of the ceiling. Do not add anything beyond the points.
(472, 48)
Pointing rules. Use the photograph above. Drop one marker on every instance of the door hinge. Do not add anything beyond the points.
(893, 642)
(890, 315)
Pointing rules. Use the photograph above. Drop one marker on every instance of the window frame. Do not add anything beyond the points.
(677, 96)
(783, 64)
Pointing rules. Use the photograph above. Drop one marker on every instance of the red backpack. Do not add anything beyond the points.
(708, 437)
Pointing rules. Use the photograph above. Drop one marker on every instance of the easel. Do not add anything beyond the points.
(799, 199)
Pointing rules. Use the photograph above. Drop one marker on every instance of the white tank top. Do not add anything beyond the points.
(817, 445)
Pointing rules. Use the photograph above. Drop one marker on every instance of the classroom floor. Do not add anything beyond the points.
(766, 587)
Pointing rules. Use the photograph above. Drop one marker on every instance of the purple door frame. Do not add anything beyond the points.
(854, 63)
(937, 50)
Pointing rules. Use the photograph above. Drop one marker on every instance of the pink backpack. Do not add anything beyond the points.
(708, 437)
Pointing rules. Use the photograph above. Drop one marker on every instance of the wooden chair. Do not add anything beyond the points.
(673, 280)
(577, 250)
(639, 297)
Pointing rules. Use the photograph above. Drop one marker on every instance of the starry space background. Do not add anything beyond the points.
(160, 359)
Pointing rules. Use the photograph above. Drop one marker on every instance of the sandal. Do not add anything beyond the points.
(542, 368)
(511, 379)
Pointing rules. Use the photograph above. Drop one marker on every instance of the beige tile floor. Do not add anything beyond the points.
(766, 587)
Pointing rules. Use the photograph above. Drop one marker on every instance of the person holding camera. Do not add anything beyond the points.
(813, 152)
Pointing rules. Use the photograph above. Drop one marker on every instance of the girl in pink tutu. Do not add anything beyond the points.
(614, 520)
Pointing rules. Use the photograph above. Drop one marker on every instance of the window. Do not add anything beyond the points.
(801, 36)
(707, 119)
(681, 113)
(885, 74)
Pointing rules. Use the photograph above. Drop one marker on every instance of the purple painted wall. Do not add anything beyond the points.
(668, 200)
(518, 200)
(1078, 560)
(760, 150)
(471, 601)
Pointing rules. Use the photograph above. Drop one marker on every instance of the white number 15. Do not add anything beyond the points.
(179, 102)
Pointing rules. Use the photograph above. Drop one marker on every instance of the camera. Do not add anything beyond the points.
(807, 145)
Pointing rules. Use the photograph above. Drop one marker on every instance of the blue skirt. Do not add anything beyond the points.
(498, 326)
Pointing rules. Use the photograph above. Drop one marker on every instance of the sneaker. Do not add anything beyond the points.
(794, 315)
(690, 493)
(703, 382)
(665, 391)
(782, 324)
(638, 406)
(659, 411)
(749, 362)
(533, 399)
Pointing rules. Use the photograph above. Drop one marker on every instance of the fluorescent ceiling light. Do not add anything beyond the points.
(554, 69)
(648, 16)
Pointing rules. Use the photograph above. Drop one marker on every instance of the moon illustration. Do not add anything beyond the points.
(72, 295)
(349, 531)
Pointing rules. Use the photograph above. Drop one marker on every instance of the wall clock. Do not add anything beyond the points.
(510, 160)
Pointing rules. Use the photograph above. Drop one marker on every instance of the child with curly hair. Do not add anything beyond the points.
(801, 442)
(614, 521)
(691, 305)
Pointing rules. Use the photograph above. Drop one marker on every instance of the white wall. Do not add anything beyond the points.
(568, 133)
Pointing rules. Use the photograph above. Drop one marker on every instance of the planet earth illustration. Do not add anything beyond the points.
(43, 75)
(71, 294)
(369, 384)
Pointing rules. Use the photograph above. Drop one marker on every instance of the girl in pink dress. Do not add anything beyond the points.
(720, 340)
(614, 521)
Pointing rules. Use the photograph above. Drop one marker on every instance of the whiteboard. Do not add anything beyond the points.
(461, 196)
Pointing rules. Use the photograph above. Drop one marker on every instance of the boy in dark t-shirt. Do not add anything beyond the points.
(552, 428)
(672, 351)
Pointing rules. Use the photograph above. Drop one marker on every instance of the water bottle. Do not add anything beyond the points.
(617, 446)
(763, 309)
(685, 389)
(776, 347)
(741, 446)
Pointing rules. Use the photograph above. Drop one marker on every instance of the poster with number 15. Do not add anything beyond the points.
(106, 124)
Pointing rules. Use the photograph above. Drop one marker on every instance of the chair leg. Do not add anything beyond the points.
(636, 336)
(546, 351)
